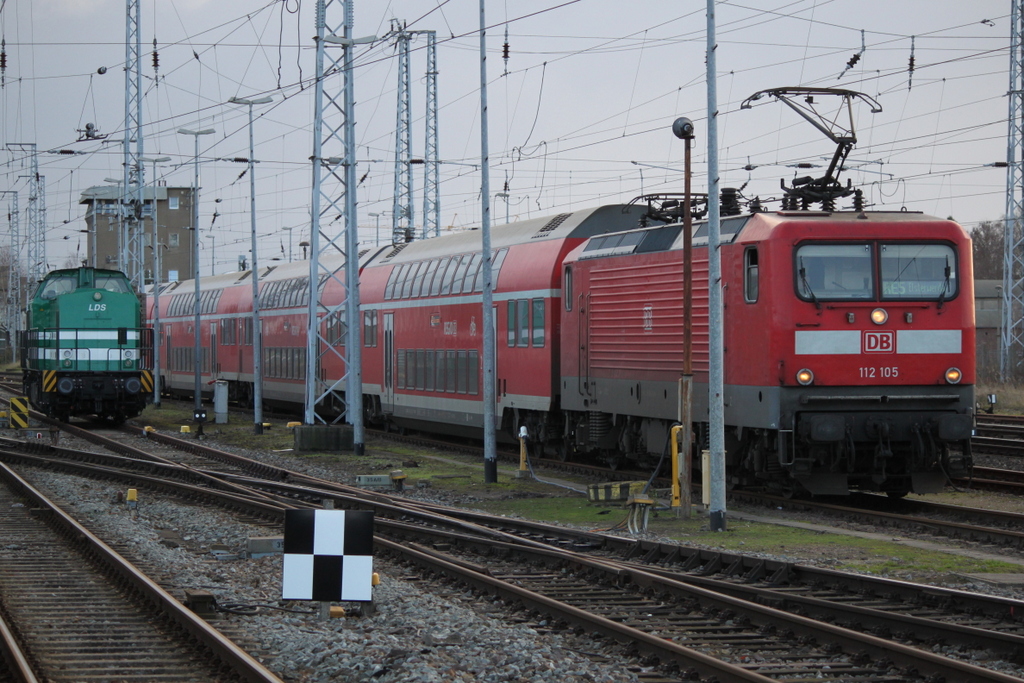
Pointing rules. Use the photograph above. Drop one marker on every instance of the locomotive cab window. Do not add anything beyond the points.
(750, 275)
(918, 271)
(834, 272)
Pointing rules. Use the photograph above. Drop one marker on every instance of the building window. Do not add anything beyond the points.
(172, 203)
(172, 240)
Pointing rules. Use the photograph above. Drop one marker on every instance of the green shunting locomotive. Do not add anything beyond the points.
(85, 350)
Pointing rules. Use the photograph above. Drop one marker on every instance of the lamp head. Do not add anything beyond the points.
(682, 128)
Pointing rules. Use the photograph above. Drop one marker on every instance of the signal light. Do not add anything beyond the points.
(804, 377)
(879, 316)
(953, 376)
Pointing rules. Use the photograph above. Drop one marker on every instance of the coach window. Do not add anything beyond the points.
(460, 274)
(247, 330)
(449, 275)
(567, 288)
(537, 323)
(435, 286)
(429, 369)
(523, 316)
(474, 372)
(472, 274)
(370, 328)
(401, 369)
(511, 324)
(463, 380)
(750, 285)
(450, 385)
(410, 278)
(428, 277)
(417, 284)
(439, 386)
(499, 258)
(421, 367)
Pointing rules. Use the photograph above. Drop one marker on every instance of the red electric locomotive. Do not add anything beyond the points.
(849, 348)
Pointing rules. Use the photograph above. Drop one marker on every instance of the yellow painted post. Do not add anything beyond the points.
(524, 472)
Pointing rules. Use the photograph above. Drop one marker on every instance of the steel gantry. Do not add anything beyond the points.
(1011, 349)
(431, 161)
(12, 303)
(130, 256)
(34, 239)
(333, 202)
(401, 211)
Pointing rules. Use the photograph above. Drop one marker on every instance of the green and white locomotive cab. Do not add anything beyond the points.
(85, 350)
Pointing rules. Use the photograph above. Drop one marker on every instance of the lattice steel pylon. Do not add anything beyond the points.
(13, 303)
(130, 257)
(431, 161)
(34, 239)
(334, 185)
(1011, 347)
(401, 210)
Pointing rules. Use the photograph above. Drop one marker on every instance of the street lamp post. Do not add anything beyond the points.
(156, 285)
(198, 407)
(257, 336)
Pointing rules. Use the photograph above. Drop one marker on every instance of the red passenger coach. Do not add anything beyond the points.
(849, 348)
(422, 322)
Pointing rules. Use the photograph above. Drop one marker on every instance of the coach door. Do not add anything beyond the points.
(388, 390)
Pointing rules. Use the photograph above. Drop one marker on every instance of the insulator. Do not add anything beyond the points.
(504, 51)
(828, 203)
(858, 200)
(853, 60)
(156, 57)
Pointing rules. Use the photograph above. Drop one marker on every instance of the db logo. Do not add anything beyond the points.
(879, 342)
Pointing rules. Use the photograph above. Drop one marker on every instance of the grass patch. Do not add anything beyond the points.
(849, 553)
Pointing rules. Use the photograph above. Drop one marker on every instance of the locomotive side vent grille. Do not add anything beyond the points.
(551, 225)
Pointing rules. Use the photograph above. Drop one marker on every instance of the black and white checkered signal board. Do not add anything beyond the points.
(328, 555)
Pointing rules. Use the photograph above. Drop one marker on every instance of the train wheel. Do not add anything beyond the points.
(897, 494)
(563, 452)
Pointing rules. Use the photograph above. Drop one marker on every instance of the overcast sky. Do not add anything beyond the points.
(589, 88)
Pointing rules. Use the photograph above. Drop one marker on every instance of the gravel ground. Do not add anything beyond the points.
(416, 636)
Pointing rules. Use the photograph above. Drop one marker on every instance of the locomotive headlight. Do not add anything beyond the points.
(67, 353)
(128, 363)
(128, 353)
(804, 377)
(97, 296)
(879, 316)
(953, 376)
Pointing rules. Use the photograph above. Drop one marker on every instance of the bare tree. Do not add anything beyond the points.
(988, 250)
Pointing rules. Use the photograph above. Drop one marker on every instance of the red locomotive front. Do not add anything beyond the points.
(849, 348)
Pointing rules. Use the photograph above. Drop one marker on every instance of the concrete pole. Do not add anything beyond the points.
(716, 381)
(490, 438)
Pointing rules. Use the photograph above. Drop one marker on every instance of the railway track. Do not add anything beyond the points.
(81, 613)
(987, 624)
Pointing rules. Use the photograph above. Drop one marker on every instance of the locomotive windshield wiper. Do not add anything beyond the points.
(945, 285)
(807, 285)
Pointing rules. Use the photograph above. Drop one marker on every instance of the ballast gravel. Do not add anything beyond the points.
(414, 636)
